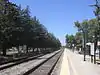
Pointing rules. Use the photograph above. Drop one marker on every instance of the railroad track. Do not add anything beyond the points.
(18, 69)
(14, 60)
(11, 64)
(18, 59)
(46, 67)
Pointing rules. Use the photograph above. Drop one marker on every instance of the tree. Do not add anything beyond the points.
(97, 31)
(78, 40)
(84, 26)
(18, 28)
(8, 15)
(70, 40)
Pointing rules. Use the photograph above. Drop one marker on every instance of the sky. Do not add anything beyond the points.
(58, 16)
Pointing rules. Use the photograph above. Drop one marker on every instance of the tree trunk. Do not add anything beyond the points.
(95, 47)
(18, 49)
(27, 49)
(99, 53)
(37, 50)
(33, 49)
(4, 51)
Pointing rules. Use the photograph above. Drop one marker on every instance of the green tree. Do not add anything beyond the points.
(18, 28)
(70, 40)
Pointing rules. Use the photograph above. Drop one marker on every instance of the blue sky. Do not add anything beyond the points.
(59, 16)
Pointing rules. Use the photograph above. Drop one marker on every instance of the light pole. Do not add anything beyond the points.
(84, 47)
(84, 43)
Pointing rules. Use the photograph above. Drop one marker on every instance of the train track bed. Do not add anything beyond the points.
(10, 64)
(22, 68)
(57, 68)
(15, 57)
(47, 67)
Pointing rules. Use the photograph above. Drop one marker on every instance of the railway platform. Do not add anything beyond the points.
(73, 64)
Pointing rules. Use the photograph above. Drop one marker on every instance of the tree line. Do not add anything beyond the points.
(88, 30)
(87, 27)
(18, 28)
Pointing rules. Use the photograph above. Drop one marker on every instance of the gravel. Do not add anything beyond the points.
(57, 68)
(24, 67)
(46, 67)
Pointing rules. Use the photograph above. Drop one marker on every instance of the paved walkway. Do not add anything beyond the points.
(73, 64)
(79, 67)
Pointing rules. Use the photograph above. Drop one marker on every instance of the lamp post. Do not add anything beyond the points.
(84, 43)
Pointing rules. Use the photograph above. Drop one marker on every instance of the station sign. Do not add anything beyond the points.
(98, 43)
(92, 48)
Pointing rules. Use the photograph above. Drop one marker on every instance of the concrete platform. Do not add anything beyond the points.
(80, 67)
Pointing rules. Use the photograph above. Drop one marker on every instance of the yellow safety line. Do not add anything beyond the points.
(72, 66)
(64, 66)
